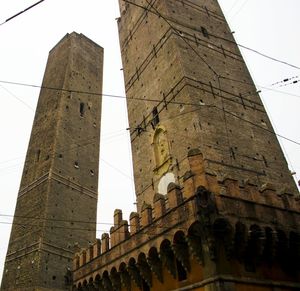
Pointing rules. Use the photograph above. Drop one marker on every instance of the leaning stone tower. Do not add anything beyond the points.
(218, 209)
(194, 91)
(57, 201)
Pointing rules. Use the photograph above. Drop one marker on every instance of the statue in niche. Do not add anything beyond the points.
(161, 147)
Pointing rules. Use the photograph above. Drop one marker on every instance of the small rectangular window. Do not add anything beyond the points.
(81, 109)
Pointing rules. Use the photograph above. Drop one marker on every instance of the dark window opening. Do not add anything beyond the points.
(81, 109)
(204, 32)
(38, 154)
(181, 273)
(155, 116)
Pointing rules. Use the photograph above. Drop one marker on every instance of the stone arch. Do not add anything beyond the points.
(122, 267)
(97, 277)
(106, 282)
(115, 279)
(168, 257)
(134, 272)
(179, 237)
(125, 277)
(113, 270)
(223, 233)
(240, 240)
(141, 257)
(90, 283)
(155, 263)
(145, 269)
(269, 246)
(181, 250)
(98, 282)
(254, 248)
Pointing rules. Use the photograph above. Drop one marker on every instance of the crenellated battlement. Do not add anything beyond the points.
(201, 191)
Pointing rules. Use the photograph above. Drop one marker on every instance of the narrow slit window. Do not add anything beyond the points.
(38, 154)
(155, 116)
(81, 109)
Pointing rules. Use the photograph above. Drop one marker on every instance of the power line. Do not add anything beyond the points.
(285, 80)
(268, 57)
(17, 98)
(240, 9)
(266, 129)
(152, 100)
(232, 6)
(290, 83)
(85, 92)
(278, 91)
(21, 12)
(116, 169)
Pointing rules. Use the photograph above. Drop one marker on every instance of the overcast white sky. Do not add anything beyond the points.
(269, 26)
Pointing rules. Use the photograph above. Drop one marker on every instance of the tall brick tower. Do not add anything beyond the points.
(194, 89)
(57, 202)
(216, 209)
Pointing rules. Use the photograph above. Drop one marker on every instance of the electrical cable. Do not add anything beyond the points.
(232, 6)
(17, 98)
(285, 80)
(146, 99)
(21, 12)
(116, 169)
(240, 9)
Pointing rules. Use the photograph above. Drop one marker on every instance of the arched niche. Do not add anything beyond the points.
(161, 149)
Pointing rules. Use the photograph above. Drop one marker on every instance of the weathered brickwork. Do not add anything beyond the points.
(194, 91)
(217, 208)
(57, 202)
